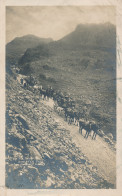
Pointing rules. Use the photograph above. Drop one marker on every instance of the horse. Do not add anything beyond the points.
(95, 129)
(87, 127)
(81, 123)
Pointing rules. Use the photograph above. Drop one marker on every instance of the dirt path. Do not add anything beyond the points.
(97, 151)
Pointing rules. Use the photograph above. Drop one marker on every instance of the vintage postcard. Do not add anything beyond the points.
(61, 87)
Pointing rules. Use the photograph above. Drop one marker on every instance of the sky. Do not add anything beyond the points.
(53, 21)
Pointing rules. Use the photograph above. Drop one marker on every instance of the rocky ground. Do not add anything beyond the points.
(43, 151)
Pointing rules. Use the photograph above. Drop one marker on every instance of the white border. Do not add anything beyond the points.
(63, 192)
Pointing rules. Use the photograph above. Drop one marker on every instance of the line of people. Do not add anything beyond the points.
(72, 117)
(64, 105)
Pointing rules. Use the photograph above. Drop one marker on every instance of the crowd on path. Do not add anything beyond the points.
(64, 106)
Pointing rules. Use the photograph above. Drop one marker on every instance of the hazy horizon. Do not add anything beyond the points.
(53, 22)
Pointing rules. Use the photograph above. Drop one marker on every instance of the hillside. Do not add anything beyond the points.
(82, 64)
(17, 47)
(43, 151)
(91, 36)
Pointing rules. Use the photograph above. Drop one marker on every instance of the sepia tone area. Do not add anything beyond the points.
(60, 97)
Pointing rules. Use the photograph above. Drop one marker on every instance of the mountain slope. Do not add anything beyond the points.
(16, 48)
(82, 64)
(91, 36)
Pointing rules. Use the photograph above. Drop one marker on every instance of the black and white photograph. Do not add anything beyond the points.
(60, 90)
(61, 97)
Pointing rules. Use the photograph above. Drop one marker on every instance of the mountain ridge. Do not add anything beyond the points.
(29, 36)
(17, 47)
(93, 37)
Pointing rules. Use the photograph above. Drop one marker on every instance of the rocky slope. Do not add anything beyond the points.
(43, 151)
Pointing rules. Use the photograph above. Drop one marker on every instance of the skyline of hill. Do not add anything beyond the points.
(91, 35)
(17, 47)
